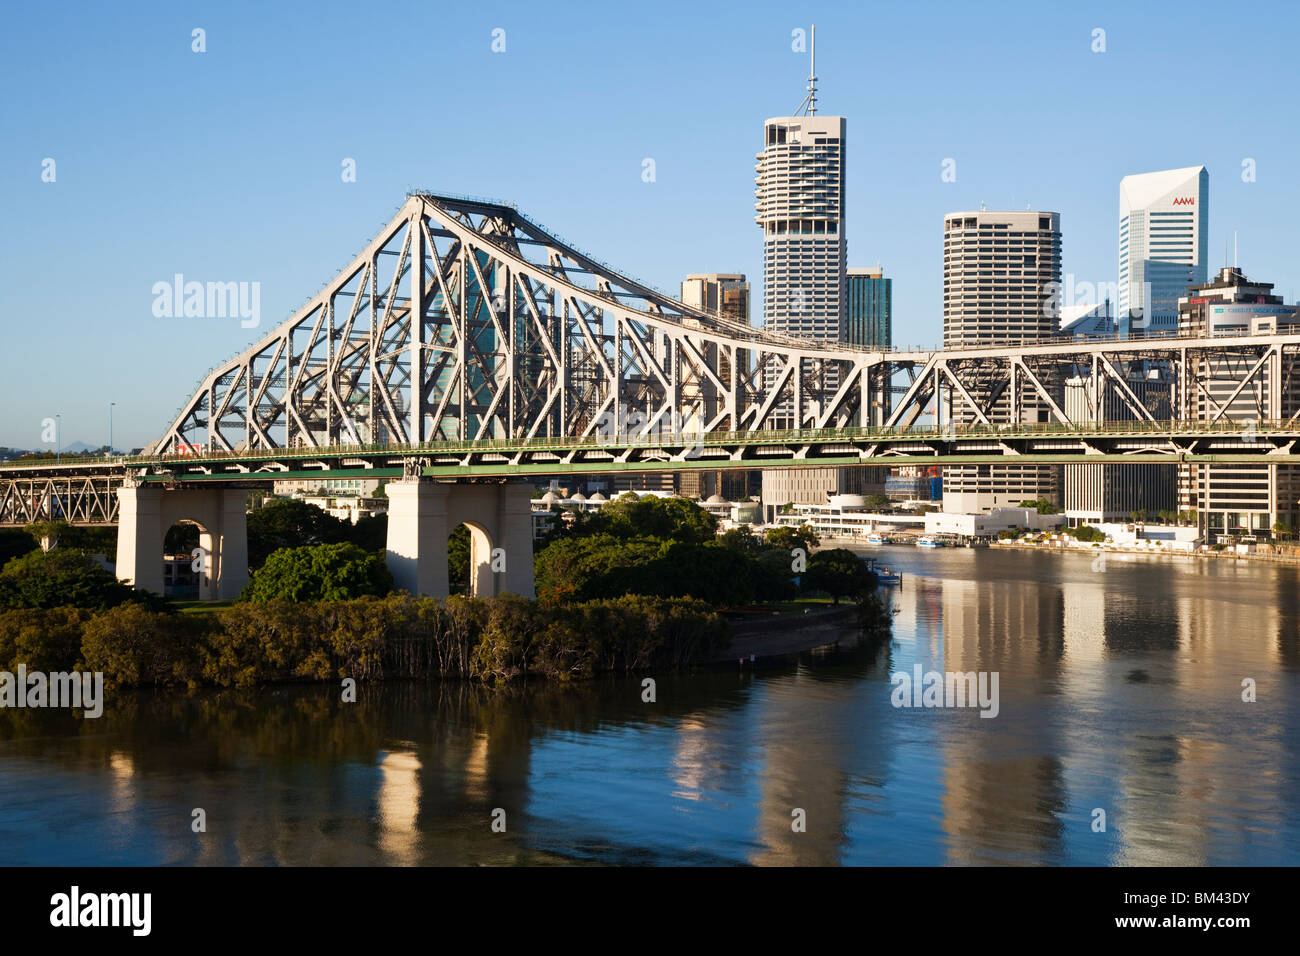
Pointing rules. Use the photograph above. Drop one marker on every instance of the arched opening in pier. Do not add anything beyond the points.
(186, 560)
(469, 560)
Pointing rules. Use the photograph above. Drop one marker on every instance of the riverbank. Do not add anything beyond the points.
(1268, 557)
(488, 640)
(1286, 556)
(783, 635)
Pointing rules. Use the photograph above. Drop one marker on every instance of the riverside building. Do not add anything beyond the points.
(999, 273)
(1238, 499)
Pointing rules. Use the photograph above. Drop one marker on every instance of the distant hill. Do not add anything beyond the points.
(75, 449)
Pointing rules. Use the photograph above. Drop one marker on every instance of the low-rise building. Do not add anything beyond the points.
(1157, 536)
(350, 509)
(988, 525)
(847, 516)
(361, 487)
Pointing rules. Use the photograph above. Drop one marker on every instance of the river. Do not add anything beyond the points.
(1120, 690)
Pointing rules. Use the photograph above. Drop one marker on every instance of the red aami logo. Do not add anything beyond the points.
(1188, 201)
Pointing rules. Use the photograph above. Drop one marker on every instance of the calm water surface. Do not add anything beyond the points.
(1120, 690)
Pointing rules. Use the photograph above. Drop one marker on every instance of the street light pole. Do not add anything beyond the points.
(110, 428)
(58, 437)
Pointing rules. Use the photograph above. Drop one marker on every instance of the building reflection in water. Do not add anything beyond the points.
(1119, 690)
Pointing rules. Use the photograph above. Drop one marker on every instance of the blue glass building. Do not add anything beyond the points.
(870, 308)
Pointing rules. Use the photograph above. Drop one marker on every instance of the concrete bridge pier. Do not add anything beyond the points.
(421, 516)
(145, 514)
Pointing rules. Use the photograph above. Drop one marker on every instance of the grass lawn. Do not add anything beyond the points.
(200, 607)
(797, 606)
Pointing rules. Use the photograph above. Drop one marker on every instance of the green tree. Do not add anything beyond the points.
(132, 645)
(458, 559)
(370, 533)
(839, 573)
(742, 540)
(94, 539)
(323, 572)
(673, 519)
(706, 572)
(181, 538)
(44, 639)
(62, 578)
(877, 503)
(787, 538)
(290, 523)
(774, 576)
(15, 543)
(1086, 533)
(1041, 505)
(563, 567)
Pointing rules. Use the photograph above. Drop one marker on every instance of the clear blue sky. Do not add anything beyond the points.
(225, 165)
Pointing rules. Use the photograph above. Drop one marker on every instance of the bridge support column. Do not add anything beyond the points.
(515, 539)
(226, 545)
(140, 538)
(417, 536)
(144, 516)
(421, 516)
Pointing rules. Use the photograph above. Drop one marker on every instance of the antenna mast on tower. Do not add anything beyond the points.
(810, 101)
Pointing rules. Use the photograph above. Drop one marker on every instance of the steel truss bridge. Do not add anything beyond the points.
(468, 341)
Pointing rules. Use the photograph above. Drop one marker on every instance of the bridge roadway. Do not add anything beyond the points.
(145, 495)
(1129, 442)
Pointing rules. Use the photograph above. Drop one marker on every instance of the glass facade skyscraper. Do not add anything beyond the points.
(1164, 222)
(869, 312)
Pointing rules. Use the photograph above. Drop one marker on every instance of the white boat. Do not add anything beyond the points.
(874, 538)
(928, 542)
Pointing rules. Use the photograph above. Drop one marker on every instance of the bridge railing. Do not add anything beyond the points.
(660, 439)
(1247, 430)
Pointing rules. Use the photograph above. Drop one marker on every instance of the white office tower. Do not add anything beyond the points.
(1164, 222)
(1000, 273)
(799, 205)
(1001, 282)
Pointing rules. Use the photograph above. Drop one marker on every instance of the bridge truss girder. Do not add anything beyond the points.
(466, 320)
(74, 498)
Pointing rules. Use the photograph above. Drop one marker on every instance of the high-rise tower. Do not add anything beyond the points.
(999, 273)
(799, 201)
(799, 205)
(1164, 220)
(1001, 276)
